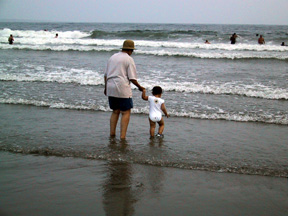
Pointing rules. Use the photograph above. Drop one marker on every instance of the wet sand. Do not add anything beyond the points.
(39, 185)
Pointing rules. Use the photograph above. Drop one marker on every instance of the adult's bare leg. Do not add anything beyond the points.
(113, 122)
(125, 118)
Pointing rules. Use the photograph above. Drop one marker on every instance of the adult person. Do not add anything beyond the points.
(207, 42)
(56, 36)
(11, 39)
(283, 44)
(261, 40)
(233, 38)
(120, 72)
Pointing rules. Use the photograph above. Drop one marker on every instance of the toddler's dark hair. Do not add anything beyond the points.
(156, 90)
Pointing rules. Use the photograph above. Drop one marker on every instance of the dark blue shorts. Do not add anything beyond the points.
(121, 104)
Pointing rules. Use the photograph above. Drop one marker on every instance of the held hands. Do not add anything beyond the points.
(144, 96)
(141, 88)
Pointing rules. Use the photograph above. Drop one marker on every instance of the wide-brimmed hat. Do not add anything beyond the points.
(128, 44)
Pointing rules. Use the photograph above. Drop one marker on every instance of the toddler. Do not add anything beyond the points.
(155, 110)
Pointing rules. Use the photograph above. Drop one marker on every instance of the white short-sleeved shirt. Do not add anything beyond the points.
(120, 69)
(155, 112)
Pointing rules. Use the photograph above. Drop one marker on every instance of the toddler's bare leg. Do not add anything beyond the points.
(152, 128)
(161, 126)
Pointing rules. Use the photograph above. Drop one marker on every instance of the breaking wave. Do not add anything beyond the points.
(101, 41)
(281, 119)
(88, 77)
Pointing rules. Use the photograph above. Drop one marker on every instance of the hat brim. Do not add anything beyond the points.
(129, 48)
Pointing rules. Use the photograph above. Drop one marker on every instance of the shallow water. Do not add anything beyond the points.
(218, 146)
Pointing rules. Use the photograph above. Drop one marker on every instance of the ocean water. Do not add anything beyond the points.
(241, 83)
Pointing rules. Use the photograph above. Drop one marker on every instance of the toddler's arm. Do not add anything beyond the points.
(144, 96)
(163, 108)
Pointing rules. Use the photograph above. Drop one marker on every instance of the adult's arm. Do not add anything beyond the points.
(135, 82)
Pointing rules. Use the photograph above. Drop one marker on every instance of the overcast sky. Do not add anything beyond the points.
(268, 12)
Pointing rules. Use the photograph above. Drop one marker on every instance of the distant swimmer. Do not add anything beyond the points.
(11, 39)
(207, 42)
(261, 40)
(233, 38)
(56, 36)
(283, 44)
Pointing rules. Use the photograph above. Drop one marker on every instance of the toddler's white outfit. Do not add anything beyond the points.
(155, 112)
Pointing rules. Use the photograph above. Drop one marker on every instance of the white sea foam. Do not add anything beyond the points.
(217, 55)
(54, 74)
(273, 119)
(233, 88)
(216, 46)
(280, 119)
(53, 104)
(40, 73)
(83, 38)
(81, 41)
(185, 53)
(30, 34)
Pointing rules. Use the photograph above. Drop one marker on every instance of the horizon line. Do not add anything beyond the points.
(176, 23)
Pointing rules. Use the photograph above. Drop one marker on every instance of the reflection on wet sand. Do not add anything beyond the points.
(154, 141)
(122, 187)
(119, 193)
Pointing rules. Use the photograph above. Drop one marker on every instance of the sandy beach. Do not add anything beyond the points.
(35, 182)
